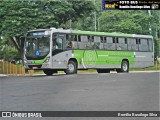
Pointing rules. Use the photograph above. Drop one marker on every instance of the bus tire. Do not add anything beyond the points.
(71, 68)
(103, 70)
(124, 67)
(49, 72)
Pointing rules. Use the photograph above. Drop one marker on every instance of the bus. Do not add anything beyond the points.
(57, 49)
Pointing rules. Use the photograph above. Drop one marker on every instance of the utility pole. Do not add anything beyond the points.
(95, 18)
(159, 34)
(150, 29)
(156, 29)
(159, 24)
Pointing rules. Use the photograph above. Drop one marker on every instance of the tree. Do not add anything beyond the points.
(7, 50)
(88, 22)
(125, 21)
(2, 46)
(17, 17)
(156, 47)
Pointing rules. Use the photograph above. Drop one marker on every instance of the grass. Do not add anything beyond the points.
(155, 67)
(62, 72)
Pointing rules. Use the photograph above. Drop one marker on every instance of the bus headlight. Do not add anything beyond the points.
(47, 59)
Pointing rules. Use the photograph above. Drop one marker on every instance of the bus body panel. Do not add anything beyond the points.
(102, 59)
(143, 60)
(60, 60)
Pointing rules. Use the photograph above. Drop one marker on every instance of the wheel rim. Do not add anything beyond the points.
(125, 67)
(71, 67)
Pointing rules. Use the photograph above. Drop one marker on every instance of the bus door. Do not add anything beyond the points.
(57, 47)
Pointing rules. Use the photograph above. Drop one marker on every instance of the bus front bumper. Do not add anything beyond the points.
(37, 66)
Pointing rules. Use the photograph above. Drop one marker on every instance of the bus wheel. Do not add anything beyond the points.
(49, 72)
(103, 70)
(71, 67)
(124, 67)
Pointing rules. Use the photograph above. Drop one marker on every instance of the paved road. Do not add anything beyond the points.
(82, 92)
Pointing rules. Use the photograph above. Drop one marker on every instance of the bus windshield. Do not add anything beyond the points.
(37, 47)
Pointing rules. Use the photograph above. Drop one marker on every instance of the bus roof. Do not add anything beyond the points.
(116, 34)
(80, 32)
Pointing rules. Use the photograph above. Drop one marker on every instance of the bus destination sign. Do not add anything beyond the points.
(131, 5)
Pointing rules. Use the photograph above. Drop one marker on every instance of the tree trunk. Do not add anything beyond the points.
(19, 45)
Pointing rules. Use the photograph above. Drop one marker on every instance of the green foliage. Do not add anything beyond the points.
(125, 21)
(87, 23)
(156, 47)
(2, 43)
(17, 17)
(11, 54)
(128, 27)
(7, 50)
(155, 22)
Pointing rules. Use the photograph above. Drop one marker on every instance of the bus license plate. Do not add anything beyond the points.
(34, 68)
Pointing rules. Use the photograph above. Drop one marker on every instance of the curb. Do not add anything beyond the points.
(2, 75)
(145, 71)
(151, 71)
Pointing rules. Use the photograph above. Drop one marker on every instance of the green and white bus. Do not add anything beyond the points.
(69, 50)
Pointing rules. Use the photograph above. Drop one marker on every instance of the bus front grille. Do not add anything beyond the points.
(32, 66)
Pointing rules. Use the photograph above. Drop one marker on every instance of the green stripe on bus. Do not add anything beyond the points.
(38, 61)
(101, 57)
(101, 33)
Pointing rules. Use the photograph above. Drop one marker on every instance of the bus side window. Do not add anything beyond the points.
(79, 38)
(143, 46)
(89, 42)
(74, 42)
(102, 42)
(92, 38)
(69, 40)
(104, 39)
(59, 41)
(132, 44)
(110, 43)
(96, 43)
(78, 41)
(54, 39)
(122, 44)
(118, 47)
(83, 42)
(115, 40)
